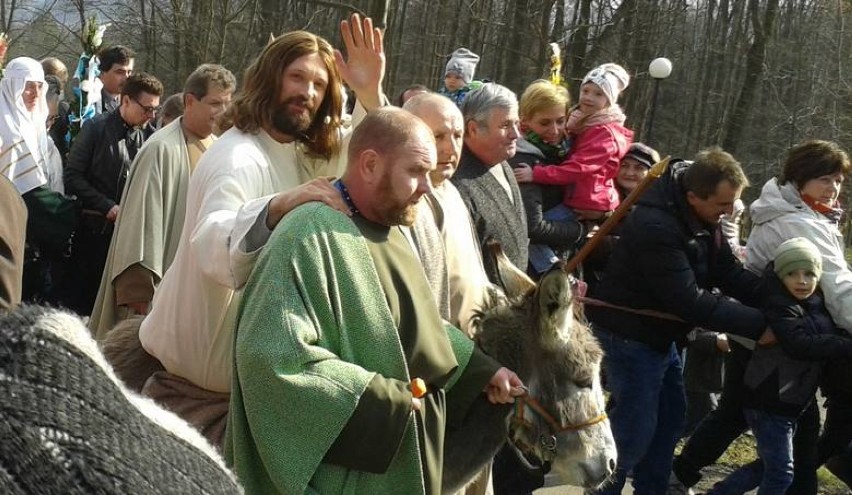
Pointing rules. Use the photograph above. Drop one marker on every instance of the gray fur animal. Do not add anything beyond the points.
(538, 332)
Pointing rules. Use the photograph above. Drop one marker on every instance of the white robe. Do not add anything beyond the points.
(467, 277)
(191, 325)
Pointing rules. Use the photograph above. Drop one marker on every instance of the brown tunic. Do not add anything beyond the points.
(13, 226)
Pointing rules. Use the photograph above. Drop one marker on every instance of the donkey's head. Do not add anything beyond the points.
(538, 331)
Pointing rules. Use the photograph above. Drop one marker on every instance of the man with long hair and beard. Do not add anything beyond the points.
(282, 139)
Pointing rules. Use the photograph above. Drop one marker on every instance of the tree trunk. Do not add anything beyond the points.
(762, 31)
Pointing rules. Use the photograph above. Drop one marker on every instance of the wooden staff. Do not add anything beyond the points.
(656, 171)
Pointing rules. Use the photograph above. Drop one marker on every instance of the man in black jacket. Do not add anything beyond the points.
(670, 255)
(97, 169)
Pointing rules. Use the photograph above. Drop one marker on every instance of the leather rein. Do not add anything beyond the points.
(548, 443)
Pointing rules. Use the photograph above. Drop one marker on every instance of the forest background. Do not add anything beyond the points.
(753, 76)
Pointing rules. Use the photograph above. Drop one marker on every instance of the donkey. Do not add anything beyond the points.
(560, 423)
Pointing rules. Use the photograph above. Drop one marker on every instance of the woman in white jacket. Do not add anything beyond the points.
(802, 202)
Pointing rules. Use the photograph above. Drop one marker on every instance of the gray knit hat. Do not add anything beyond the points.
(797, 253)
(612, 79)
(463, 62)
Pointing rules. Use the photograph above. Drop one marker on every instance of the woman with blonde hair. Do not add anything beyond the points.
(543, 109)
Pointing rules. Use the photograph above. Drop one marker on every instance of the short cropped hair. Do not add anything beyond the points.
(479, 103)
(710, 167)
(172, 108)
(385, 130)
(813, 159)
(542, 95)
(117, 54)
(142, 82)
(206, 76)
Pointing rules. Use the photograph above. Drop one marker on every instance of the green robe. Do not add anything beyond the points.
(336, 319)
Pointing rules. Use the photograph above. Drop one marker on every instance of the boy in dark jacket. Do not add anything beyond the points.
(781, 380)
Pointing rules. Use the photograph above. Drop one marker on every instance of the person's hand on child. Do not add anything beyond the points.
(523, 174)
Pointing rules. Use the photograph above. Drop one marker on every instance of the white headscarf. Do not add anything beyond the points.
(23, 134)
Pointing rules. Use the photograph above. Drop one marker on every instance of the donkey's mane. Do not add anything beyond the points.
(503, 317)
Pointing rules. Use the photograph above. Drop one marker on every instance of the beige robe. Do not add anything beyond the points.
(468, 282)
(12, 233)
(151, 219)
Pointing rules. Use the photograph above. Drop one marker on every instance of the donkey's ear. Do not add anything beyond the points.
(516, 284)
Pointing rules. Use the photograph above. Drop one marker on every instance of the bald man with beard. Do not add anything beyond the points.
(336, 323)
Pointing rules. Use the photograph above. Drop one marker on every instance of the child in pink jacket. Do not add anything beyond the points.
(600, 141)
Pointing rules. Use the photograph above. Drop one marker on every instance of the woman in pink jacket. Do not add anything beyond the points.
(596, 125)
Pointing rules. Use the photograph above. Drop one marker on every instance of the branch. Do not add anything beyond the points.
(340, 5)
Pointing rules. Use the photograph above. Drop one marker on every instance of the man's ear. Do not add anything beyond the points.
(370, 166)
(691, 198)
(471, 129)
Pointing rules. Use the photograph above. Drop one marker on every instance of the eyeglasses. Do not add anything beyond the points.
(147, 109)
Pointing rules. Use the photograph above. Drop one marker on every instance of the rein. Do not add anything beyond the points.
(548, 443)
(555, 426)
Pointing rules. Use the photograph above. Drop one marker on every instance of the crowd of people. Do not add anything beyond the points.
(301, 283)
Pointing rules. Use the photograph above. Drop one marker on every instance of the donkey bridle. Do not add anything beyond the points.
(548, 443)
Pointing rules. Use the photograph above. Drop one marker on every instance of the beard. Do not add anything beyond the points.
(395, 212)
(292, 123)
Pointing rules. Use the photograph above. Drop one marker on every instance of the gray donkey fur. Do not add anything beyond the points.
(539, 333)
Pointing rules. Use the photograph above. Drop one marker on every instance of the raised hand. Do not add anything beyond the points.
(364, 68)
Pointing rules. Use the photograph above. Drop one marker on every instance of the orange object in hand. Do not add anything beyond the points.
(417, 387)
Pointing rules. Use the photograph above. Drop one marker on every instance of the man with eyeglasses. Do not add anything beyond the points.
(147, 235)
(97, 168)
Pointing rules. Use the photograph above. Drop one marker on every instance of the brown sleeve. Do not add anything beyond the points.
(372, 436)
(134, 285)
(476, 376)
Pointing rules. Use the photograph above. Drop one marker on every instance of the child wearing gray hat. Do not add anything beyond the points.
(781, 380)
(458, 75)
(599, 142)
